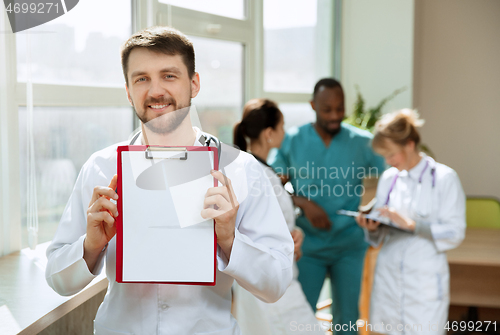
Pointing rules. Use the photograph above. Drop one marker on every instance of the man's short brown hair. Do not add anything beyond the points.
(164, 40)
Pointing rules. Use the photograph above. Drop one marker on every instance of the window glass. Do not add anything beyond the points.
(290, 40)
(297, 114)
(219, 103)
(81, 47)
(228, 8)
(64, 138)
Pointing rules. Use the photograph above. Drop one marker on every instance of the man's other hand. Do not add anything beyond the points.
(221, 204)
(316, 215)
(298, 238)
(101, 226)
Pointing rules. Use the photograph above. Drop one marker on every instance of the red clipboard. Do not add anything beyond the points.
(120, 254)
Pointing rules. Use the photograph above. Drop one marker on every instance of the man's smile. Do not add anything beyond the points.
(159, 108)
(334, 124)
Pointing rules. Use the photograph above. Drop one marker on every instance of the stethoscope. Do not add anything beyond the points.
(205, 140)
(420, 214)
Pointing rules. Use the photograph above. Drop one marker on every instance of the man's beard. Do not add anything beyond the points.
(331, 132)
(167, 122)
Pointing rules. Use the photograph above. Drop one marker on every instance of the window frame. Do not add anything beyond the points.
(195, 23)
(11, 98)
(145, 13)
(10, 199)
(328, 27)
(249, 32)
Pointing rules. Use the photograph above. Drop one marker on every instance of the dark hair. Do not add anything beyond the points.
(258, 114)
(327, 82)
(164, 40)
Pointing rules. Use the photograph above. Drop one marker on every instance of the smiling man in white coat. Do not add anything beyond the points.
(254, 245)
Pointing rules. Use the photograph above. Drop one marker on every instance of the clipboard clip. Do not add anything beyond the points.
(157, 151)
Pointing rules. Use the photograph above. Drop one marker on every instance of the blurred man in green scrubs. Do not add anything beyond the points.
(326, 163)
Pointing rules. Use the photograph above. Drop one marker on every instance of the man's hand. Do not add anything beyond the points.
(224, 212)
(315, 214)
(298, 238)
(284, 179)
(100, 222)
(401, 220)
(363, 222)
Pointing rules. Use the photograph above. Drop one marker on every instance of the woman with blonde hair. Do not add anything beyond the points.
(260, 130)
(425, 203)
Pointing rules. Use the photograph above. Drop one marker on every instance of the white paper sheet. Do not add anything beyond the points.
(157, 204)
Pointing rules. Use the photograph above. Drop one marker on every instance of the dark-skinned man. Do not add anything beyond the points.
(326, 163)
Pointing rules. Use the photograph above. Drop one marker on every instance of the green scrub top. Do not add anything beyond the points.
(330, 176)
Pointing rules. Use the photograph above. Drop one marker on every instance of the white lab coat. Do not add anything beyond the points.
(290, 315)
(261, 258)
(411, 285)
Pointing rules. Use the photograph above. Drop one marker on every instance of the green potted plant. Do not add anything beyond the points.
(366, 118)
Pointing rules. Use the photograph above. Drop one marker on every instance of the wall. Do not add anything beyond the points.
(447, 53)
(377, 50)
(457, 87)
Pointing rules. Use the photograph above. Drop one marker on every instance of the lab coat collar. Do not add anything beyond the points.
(416, 171)
(196, 143)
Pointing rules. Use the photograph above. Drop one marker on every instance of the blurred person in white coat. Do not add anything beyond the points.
(411, 285)
(262, 125)
(253, 245)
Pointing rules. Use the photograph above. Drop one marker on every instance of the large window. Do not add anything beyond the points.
(65, 137)
(286, 46)
(223, 40)
(289, 46)
(244, 49)
(79, 102)
(297, 114)
(298, 51)
(78, 48)
(219, 105)
(229, 8)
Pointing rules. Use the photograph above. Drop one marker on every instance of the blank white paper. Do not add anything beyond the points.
(164, 237)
